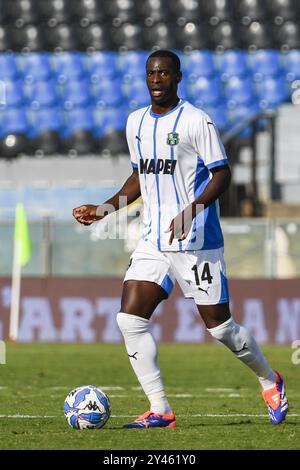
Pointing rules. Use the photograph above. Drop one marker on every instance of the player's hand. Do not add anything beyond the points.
(87, 214)
(180, 225)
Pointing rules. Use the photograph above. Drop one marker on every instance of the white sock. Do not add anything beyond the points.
(142, 351)
(245, 348)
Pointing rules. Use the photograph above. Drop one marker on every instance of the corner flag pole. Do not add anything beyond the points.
(21, 256)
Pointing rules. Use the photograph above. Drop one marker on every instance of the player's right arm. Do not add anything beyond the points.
(89, 213)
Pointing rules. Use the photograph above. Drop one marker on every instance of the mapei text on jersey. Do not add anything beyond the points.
(159, 165)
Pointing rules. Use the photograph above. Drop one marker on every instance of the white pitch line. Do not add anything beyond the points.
(203, 415)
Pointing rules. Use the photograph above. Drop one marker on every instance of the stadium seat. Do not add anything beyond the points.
(283, 10)
(238, 114)
(68, 66)
(265, 63)
(232, 63)
(191, 36)
(136, 93)
(291, 63)
(100, 65)
(159, 36)
(120, 11)
(3, 12)
(127, 37)
(13, 93)
(205, 91)
(272, 92)
(54, 11)
(29, 38)
(62, 37)
(183, 90)
(8, 67)
(78, 133)
(109, 119)
(218, 10)
(88, 11)
(36, 66)
(5, 39)
(94, 37)
(287, 36)
(113, 142)
(109, 130)
(224, 36)
(41, 94)
(76, 93)
(13, 132)
(107, 93)
(184, 11)
(239, 91)
(256, 35)
(250, 10)
(132, 64)
(219, 115)
(46, 125)
(21, 12)
(153, 11)
(198, 64)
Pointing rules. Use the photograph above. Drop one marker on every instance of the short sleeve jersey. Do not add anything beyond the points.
(174, 153)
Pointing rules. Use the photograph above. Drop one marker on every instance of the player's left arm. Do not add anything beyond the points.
(219, 183)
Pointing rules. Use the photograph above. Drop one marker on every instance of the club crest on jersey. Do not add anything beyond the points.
(173, 138)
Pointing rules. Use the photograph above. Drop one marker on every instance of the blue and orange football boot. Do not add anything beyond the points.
(152, 420)
(276, 400)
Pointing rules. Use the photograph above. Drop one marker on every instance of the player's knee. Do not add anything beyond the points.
(131, 324)
(231, 334)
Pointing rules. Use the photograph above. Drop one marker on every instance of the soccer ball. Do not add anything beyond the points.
(87, 407)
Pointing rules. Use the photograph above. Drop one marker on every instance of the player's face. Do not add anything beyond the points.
(162, 80)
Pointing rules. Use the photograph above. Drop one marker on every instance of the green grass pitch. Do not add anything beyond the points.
(216, 399)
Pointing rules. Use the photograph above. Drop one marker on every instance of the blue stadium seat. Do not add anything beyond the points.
(47, 119)
(8, 66)
(78, 132)
(36, 66)
(272, 92)
(76, 93)
(41, 94)
(13, 121)
(132, 64)
(183, 90)
(238, 114)
(232, 63)
(78, 119)
(136, 93)
(101, 64)
(219, 115)
(265, 63)
(239, 91)
(13, 93)
(291, 62)
(46, 125)
(68, 66)
(205, 91)
(110, 119)
(198, 64)
(107, 93)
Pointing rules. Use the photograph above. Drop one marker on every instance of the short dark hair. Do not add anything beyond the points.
(164, 53)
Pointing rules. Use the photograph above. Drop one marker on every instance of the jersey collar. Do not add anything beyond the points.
(181, 102)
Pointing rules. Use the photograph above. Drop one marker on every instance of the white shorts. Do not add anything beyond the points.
(200, 274)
